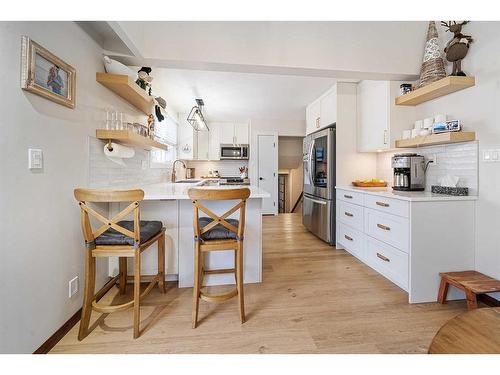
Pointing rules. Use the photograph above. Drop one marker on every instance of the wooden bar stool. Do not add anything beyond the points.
(121, 239)
(215, 233)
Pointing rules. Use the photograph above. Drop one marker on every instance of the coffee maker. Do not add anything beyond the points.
(409, 172)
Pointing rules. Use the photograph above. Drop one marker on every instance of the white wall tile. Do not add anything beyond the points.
(459, 160)
(105, 173)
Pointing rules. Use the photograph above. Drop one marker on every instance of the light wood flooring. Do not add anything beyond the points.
(313, 299)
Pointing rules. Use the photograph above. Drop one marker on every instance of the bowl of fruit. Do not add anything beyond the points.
(374, 182)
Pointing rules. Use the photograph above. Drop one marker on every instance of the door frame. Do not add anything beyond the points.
(275, 179)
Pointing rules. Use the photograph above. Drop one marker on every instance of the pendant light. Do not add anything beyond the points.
(196, 118)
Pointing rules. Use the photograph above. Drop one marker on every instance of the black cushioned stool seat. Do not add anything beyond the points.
(149, 229)
(219, 232)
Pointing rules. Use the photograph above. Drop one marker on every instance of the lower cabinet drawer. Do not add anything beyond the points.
(391, 229)
(350, 214)
(352, 240)
(388, 261)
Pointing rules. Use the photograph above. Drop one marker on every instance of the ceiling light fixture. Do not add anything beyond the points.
(196, 118)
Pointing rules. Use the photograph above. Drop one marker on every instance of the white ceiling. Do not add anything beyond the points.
(231, 96)
(262, 70)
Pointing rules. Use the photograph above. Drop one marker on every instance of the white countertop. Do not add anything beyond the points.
(413, 196)
(168, 190)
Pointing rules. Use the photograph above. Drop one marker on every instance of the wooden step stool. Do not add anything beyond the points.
(471, 282)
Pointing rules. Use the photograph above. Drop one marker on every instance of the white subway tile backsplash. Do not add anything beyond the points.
(460, 159)
(104, 173)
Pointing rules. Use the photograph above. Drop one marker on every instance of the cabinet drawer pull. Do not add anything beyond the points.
(384, 258)
(347, 237)
(347, 196)
(348, 214)
(382, 204)
(384, 227)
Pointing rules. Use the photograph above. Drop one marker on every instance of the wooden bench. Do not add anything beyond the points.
(472, 283)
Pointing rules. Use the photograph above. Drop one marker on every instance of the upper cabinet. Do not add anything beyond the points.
(328, 108)
(313, 116)
(230, 133)
(322, 112)
(379, 121)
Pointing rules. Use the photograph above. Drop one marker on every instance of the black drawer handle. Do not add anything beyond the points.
(347, 196)
(348, 214)
(382, 204)
(384, 258)
(347, 237)
(384, 227)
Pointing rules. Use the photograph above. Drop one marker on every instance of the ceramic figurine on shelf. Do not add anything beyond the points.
(151, 126)
(457, 48)
(144, 80)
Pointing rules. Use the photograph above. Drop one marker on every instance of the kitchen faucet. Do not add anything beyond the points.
(173, 168)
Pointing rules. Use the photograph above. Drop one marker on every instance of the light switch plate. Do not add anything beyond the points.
(35, 158)
(73, 287)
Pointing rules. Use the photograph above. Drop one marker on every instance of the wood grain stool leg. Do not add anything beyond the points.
(239, 281)
(196, 284)
(471, 299)
(88, 294)
(123, 274)
(137, 293)
(443, 290)
(161, 263)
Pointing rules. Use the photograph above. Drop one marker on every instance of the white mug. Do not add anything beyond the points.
(418, 124)
(428, 122)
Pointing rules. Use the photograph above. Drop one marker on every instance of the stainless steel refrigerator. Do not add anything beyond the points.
(318, 214)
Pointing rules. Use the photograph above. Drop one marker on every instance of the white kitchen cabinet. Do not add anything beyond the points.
(202, 145)
(408, 239)
(230, 133)
(214, 142)
(322, 112)
(226, 133)
(328, 108)
(313, 116)
(241, 134)
(379, 121)
(186, 145)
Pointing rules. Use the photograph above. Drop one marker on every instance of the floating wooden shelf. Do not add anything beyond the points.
(129, 138)
(436, 89)
(436, 139)
(125, 87)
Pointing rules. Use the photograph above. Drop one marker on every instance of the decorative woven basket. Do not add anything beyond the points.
(432, 65)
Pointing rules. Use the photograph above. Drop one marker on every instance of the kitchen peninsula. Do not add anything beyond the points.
(169, 202)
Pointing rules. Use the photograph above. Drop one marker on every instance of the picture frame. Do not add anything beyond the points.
(45, 74)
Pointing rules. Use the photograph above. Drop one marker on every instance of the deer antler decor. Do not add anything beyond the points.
(432, 65)
(456, 49)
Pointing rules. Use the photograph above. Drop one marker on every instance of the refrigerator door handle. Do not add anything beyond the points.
(310, 162)
(316, 201)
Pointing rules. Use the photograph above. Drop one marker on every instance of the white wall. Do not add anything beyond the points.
(478, 107)
(42, 244)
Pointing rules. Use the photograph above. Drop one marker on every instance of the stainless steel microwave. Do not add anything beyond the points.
(235, 152)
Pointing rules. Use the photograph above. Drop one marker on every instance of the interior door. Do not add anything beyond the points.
(268, 171)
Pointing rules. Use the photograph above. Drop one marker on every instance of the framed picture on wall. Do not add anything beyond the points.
(47, 75)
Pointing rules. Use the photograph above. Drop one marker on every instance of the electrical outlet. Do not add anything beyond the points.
(35, 158)
(73, 287)
(432, 158)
